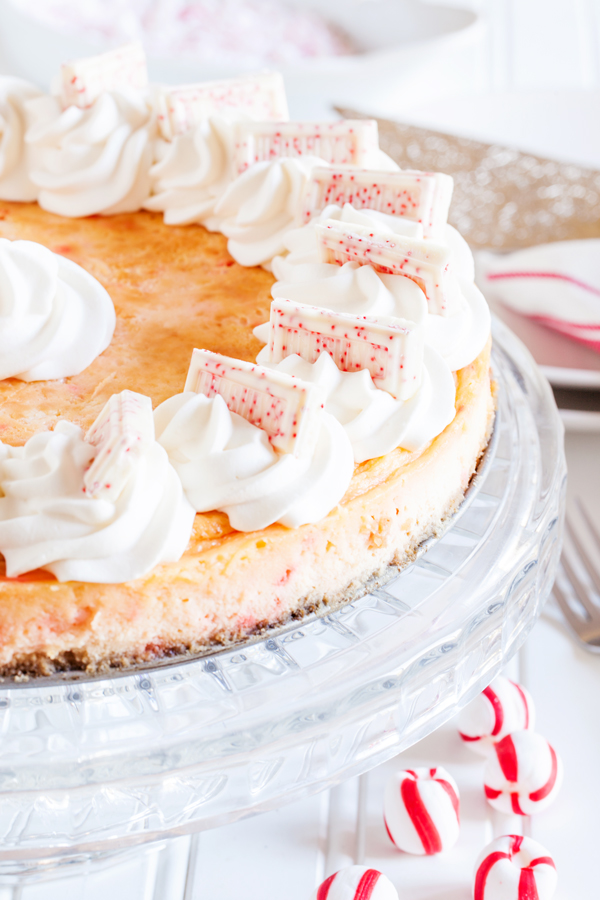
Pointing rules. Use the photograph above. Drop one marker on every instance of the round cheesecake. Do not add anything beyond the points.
(176, 289)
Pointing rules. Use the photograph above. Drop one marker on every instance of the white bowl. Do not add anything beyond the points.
(398, 39)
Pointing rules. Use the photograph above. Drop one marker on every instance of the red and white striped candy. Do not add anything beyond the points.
(523, 774)
(514, 868)
(356, 883)
(501, 708)
(421, 811)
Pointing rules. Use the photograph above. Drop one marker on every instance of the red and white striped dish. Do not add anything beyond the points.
(421, 811)
(356, 883)
(523, 775)
(514, 868)
(501, 708)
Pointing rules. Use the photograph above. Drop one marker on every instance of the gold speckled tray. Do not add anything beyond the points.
(503, 198)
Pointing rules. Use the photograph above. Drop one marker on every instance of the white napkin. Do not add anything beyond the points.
(555, 284)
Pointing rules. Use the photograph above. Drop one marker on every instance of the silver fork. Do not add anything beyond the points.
(585, 620)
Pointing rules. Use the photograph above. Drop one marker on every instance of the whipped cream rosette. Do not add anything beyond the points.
(54, 516)
(192, 173)
(15, 182)
(55, 318)
(91, 147)
(95, 160)
(374, 421)
(260, 206)
(279, 458)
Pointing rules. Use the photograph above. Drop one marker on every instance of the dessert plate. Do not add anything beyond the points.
(92, 767)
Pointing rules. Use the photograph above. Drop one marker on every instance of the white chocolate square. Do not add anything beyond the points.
(122, 430)
(349, 142)
(287, 408)
(419, 196)
(390, 349)
(83, 80)
(425, 262)
(261, 97)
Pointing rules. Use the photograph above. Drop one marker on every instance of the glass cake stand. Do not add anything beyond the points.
(90, 767)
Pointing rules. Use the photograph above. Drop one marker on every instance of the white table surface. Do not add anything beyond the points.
(532, 81)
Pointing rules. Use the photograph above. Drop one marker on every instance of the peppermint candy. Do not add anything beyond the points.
(501, 708)
(356, 883)
(514, 868)
(523, 774)
(421, 811)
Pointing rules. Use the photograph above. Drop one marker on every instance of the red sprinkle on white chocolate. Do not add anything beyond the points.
(423, 261)
(83, 80)
(287, 408)
(421, 810)
(523, 774)
(356, 883)
(514, 868)
(420, 196)
(122, 430)
(348, 143)
(261, 97)
(391, 350)
(501, 708)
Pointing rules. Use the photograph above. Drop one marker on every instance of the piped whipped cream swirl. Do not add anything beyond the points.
(47, 522)
(15, 183)
(192, 173)
(458, 337)
(55, 318)
(261, 206)
(374, 421)
(226, 463)
(95, 160)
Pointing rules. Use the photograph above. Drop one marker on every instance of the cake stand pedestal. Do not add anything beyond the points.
(95, 769)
